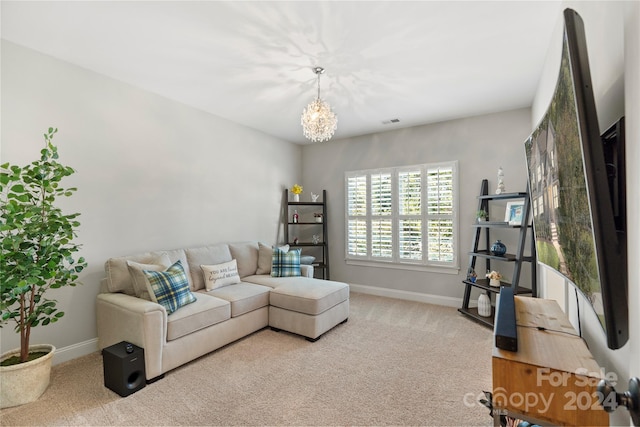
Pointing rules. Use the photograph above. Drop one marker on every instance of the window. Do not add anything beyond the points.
(404, 216)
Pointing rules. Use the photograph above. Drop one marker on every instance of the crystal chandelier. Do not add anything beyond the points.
(318, 121)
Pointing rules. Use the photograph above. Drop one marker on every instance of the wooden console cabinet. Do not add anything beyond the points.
(552, 378)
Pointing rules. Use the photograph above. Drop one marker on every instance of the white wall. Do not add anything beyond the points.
(613, 44)
(480, 144)
(151, 173)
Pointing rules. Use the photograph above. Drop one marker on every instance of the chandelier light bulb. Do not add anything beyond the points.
(319, 123)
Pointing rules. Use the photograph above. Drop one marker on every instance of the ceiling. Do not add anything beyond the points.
(251, 62)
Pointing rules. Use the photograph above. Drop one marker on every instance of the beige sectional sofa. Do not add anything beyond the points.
(126, 312)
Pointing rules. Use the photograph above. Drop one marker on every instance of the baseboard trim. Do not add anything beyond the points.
(407, 295)
(73, 351)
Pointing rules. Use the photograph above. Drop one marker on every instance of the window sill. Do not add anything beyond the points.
(454, 269)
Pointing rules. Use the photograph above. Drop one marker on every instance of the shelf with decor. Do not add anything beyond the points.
(306, 228)
(483, 249)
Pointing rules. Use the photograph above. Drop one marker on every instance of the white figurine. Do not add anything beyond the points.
(500, 188)
(314, 197)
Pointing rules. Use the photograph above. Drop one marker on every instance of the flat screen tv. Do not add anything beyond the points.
(578, 230)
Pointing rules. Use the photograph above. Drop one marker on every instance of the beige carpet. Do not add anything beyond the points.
(394, 363)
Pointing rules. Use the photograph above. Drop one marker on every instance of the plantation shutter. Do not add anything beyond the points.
(357, 215)
(410, 215)
(403, 215)
(440, 214)
(381, 220)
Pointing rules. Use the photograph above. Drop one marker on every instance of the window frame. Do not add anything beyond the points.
(395, 261)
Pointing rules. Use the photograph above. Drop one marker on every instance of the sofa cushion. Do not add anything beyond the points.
(219, 275)
(138, 278)
(246, 254)
(179, 255)
(244, 297)
(118, 276)
(265, 257)
(285, 264)
(170, 288)
(206, 255)
(205, 311)
(274, 282)
(308, 296)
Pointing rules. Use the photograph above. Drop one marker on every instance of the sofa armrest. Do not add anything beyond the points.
(122, 317)
(306, 270)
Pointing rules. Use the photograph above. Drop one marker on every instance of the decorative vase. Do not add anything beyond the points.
(498, 248)
(494, 283)
(25, 382)
(484, 305)
(296, 197)
(318, 219)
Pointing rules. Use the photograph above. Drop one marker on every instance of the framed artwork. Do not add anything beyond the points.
(513, 213)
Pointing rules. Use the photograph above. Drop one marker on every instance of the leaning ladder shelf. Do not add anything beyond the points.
(517, 258)
(296, 233)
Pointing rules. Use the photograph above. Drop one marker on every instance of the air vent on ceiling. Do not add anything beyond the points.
(388, 122)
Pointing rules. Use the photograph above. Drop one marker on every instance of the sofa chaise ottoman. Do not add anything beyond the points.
(305, 306)
(250, 299)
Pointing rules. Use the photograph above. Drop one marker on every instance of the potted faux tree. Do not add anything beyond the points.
(38, 254)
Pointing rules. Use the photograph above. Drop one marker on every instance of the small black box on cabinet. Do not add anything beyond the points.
(124, 368)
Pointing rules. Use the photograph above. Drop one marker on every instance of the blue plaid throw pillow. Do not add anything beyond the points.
(170, 288)
(285, 264)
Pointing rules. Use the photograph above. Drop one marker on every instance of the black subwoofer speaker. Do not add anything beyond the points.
(124, 368)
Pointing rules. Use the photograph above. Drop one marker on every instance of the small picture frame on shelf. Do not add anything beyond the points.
(513, 212)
